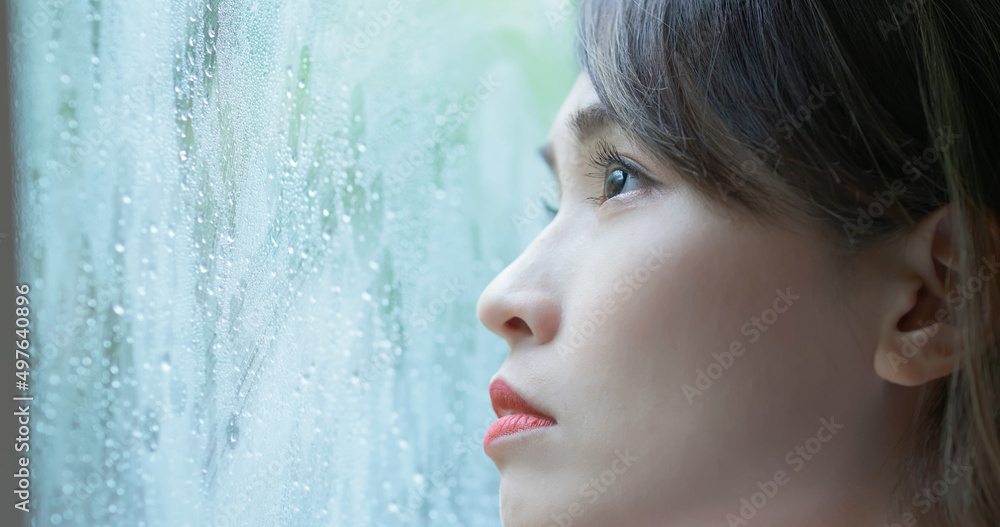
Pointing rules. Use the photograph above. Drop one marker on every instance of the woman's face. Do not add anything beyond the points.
(696, 365)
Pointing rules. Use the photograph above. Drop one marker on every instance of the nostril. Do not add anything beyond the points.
(518, 325)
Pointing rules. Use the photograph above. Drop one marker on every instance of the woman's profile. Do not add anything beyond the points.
(770, 292)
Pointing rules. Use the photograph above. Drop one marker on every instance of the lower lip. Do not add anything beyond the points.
(512, 424)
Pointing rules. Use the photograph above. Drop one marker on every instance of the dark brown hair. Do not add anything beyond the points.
(858, 117)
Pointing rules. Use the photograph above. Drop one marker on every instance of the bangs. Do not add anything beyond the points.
(748, 101)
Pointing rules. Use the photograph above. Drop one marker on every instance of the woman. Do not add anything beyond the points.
(768, 296)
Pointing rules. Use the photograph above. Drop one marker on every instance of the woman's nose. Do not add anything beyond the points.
(522, 303)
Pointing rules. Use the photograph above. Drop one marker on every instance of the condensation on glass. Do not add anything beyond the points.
(255, 233)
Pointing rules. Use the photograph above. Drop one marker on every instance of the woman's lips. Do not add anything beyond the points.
(514, 413)
(513, 424)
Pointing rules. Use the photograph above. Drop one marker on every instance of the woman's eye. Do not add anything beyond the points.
(551, 210)
(618, 181)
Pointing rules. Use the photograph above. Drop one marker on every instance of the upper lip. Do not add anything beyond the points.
(506, 401)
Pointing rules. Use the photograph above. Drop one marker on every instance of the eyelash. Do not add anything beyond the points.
(605, 157)
(550, 209)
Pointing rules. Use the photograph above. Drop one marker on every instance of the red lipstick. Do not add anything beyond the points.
(514, 413)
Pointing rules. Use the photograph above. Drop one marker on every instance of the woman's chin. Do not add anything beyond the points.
(520, 490)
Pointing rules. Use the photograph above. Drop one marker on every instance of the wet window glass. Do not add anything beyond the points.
(255, 233)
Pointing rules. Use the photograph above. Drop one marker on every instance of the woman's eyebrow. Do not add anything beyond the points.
(590, 121)
(585, 123)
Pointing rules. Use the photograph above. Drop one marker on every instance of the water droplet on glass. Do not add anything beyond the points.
(233, 431)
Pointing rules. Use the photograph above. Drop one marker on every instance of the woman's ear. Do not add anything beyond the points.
(917, 341)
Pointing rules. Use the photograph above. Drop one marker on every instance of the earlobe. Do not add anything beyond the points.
(918, 342)
(916, 357)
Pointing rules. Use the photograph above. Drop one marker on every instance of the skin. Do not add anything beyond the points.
(621, 389)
